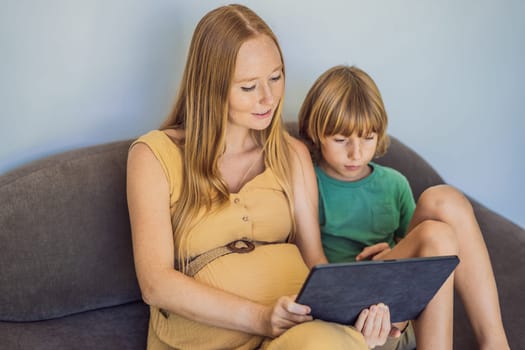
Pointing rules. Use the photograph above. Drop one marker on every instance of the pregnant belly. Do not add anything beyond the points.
(263, 275)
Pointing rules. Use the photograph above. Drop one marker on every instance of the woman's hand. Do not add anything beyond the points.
(285, 314)
(374, 324)
(373, 252)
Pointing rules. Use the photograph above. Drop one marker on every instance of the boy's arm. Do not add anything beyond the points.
(407, 206)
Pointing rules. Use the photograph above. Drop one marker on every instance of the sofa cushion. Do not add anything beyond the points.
(65, 235)
(119, 327)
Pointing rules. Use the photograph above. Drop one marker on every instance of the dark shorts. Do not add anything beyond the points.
(407, 340)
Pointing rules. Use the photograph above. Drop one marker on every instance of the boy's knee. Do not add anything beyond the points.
(443, 201)
(436, 238)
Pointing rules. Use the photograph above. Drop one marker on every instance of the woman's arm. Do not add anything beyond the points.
(308, 235)
(164, 287)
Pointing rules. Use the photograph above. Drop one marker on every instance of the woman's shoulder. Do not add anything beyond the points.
(297, 147)
(161, 137)
(162, 145)
(160, 142)
(300, 159)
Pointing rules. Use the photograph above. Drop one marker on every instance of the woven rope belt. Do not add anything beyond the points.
(239, 246)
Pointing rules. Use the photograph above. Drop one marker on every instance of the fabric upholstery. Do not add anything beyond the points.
(122, 327)
(65, 236)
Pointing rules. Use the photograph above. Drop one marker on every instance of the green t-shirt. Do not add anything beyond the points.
(355, 215)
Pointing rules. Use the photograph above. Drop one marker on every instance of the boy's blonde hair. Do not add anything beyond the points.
(201, 110)
(343, 100)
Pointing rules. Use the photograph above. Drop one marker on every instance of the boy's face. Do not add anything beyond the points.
(346, 158)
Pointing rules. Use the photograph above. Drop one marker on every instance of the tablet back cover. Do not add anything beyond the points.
(338, 292)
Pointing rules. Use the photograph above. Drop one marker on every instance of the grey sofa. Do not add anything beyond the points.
(67, 279)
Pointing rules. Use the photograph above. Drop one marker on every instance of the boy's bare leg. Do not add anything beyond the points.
(474, 278)
(434, 326)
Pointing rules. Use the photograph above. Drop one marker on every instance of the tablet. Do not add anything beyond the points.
(339, 292)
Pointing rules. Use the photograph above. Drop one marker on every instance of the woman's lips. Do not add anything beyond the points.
(263, 115)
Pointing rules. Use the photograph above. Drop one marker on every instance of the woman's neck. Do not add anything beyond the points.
(242, 159)
(239, 140)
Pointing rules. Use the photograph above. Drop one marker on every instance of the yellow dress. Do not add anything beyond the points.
(259, 212)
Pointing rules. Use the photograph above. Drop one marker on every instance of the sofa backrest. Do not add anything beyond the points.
(65, 242)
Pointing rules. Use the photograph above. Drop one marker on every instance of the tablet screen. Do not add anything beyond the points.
(339, 292)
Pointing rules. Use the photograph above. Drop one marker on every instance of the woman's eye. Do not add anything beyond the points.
(248, 88)
(339, 140)
(276, 78)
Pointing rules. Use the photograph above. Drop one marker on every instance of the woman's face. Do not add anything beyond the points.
(257, 86)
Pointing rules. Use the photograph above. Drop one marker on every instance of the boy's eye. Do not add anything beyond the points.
(339, 140)
(370, 136)
(248, 88)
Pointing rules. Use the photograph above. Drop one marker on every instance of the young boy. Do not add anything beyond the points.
(367, 211)
(364, 208)
(361, 204)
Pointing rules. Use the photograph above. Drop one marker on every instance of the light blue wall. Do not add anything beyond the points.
(77, 73)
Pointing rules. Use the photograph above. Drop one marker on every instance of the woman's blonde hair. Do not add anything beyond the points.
(201, 110)
(343, 100)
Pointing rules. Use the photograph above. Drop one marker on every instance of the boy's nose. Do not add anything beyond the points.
(354, 152)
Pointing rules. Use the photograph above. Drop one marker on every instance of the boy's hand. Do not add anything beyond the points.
(374, 324)
(373, 252)
(398, 329)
